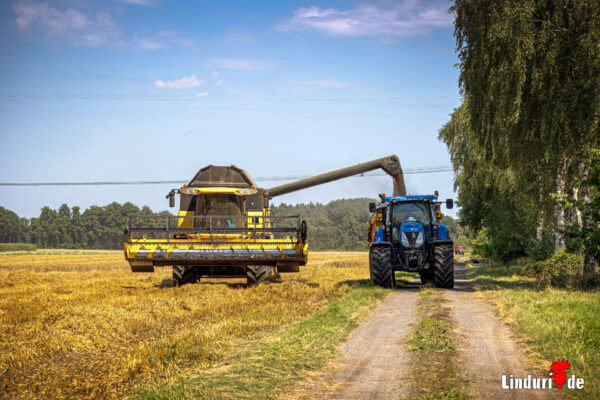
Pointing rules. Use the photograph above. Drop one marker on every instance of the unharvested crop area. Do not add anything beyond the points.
(84, 326)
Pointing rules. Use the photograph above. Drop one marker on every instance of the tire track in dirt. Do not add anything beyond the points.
(486, 347)
(373, 361)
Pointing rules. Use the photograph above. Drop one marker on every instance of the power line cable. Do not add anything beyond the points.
(407, 171)
(93, 97)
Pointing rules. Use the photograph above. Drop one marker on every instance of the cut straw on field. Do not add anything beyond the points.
(84, 326)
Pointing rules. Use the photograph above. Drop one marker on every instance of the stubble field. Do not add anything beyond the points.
(84, 326)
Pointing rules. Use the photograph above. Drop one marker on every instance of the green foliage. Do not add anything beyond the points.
(95, 228)
(12, 228)
(4, 247)
(529, 74)
(540, 249)
(562, 270)
(481, 243)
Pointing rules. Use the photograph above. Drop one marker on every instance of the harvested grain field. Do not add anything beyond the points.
(84, 326)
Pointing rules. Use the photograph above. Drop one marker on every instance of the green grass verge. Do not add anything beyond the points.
(555, 323)
(259, 371)
(434, 358)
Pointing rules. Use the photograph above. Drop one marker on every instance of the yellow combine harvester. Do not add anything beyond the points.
(224, 227)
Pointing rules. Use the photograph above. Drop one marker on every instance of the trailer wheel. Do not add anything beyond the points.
(256, 274)
(443, 267)
(380, 259)
(183, 275)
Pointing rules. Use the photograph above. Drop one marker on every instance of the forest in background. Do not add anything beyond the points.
(337, 225)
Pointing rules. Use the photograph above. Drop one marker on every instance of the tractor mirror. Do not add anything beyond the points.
(171, 199)
(371, 207)
(449, 203)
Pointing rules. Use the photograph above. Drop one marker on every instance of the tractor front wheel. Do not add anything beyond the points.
(443, 267)
(380, 262)
(183, 274)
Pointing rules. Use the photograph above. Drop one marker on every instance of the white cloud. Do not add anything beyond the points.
(202, 94)
(326, 83)
(219, 82)
(146, 3)
(389, 19)
(184, 82)
(159, 40)
(83, 30)
(241, 64)
(89, 29)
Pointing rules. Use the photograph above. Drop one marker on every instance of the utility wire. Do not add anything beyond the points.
(93, 97)
(407, 171)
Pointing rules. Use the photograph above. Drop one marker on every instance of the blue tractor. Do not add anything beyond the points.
(406, 234)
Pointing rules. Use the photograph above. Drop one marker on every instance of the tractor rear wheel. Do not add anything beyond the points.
(183, 274)
(256, 274)
(380, 261)
(443, 267)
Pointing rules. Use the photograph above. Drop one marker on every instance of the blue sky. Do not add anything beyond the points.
(155, 90)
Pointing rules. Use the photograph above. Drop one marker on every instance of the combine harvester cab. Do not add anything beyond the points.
(222, 230)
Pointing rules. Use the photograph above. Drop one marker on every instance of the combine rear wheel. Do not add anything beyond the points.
(443, 267)
(183, 275)
(380, 263)
(256, 274)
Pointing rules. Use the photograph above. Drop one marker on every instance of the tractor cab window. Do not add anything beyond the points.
(410, 212)
(219, 204)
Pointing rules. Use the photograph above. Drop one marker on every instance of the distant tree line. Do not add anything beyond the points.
(338, 225)
(96, 228)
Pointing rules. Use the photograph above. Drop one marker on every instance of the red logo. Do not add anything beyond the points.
(557, 372)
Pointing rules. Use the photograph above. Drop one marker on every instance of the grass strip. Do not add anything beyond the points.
(435, 370)
(259, 371)
(554, 323)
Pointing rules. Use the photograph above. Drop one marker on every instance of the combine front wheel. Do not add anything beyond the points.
(380, 260)
(256, 274)
(443, 267)
(183, 274)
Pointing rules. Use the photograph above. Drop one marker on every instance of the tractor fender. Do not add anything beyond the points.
(443, 232)
(380, 244)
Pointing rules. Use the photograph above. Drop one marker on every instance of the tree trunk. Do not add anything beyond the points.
(540, 225)
(569, 214)
(559, 210)
(589, 263)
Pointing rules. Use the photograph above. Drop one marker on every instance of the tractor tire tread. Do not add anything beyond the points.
(443, 267)
(380, 260)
